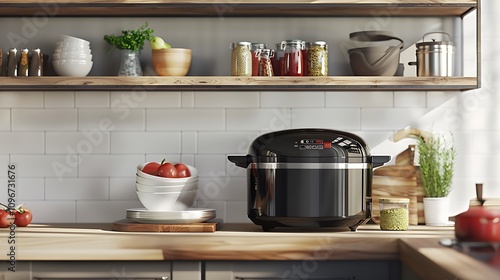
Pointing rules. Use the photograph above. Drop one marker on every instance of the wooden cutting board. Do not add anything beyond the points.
(133, 226)
(399, 180)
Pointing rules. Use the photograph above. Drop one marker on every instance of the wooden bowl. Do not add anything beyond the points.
(172, 61)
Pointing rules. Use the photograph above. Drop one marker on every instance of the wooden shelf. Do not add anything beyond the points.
(237, 8)
(201, 83)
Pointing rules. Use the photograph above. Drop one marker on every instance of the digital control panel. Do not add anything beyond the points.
(312, 144)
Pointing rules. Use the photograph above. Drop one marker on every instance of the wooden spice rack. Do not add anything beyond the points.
(238, 8)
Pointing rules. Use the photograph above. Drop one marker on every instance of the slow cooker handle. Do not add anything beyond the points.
(380, 160)
(241, 161)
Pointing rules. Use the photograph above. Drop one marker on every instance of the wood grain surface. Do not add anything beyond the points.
(201, 83)
(228, 8)
(127, 225)
(399, 180)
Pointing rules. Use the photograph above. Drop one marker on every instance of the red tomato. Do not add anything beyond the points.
(6, 218)
(182, 170)
(151, 168)
(23, 217)
(167, 170)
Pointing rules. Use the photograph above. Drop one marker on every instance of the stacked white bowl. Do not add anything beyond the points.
(166, 194)
(72, 57)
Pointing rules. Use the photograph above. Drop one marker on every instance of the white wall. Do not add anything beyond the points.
(41, 129)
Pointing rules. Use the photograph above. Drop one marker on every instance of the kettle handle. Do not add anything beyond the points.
(436, 32)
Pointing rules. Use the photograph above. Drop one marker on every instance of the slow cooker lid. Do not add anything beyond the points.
(309, 145)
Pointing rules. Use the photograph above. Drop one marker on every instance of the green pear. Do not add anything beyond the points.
(158, 43)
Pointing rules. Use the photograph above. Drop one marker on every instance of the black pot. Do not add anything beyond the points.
(309, 178)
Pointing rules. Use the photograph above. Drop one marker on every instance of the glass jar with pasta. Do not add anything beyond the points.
(241, 59)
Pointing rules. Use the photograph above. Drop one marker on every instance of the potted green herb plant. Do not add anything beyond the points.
(436, 160)
(130, 42)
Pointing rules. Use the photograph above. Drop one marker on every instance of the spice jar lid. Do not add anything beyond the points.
(316, 43)
(240, 44)
(394, 200)
(256, 46)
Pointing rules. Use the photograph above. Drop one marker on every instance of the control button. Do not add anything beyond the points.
(327, 145)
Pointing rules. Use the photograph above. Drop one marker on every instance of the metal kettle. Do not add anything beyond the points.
(435, 58)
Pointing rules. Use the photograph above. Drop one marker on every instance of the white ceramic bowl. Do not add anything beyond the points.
(72, 56)
(150, 182)
(67, 38)
(167, 201)
(73, 50)
(73, 45)
(192, 170)
(74, 68)
(179, 188)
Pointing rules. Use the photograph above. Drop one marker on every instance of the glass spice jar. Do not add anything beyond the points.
(317, 58)
(254, 47)
(394, 213)
(265, 67)
(241, 59)
(294, 57)
(277, 60)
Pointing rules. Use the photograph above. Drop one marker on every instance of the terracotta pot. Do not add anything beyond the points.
(479, 223)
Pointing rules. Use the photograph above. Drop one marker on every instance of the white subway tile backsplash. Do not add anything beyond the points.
(211, 166)
(160, 157)
(188, 159)
(258, 119)
(236, 212)
(30, 189)
(103, 211)
(77, 189)
(52, 211)
(59, 99)
(412, 99)
(300, 99)
(59, 166)
(44, 119)
(145, 142)
(122, 118)
(226, 99)
(440, 98)
(5, 119)
(331, 118)
(109, 165)
(185, 119)
(122, 188)
(355, 99)
(145, 99)
(22, 143)
(389, 119)
(82, 142)
(222, 188)
(29, 99)
(187, 99)
(92, 99)
(189, 142)
(224, 142)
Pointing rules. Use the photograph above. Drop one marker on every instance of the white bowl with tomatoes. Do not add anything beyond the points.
(170, 188)
(166, 186)
(168, 201)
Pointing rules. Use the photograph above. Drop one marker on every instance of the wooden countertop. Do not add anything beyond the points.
(417, 247)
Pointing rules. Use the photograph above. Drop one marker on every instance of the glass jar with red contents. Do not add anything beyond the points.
(265, 64)
(277, 60)
(294, 57)
(254, 47)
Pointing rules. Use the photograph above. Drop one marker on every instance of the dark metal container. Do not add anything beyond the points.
(309, 178)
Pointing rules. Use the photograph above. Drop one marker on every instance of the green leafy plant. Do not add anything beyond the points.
(436, 159)
(131, 39)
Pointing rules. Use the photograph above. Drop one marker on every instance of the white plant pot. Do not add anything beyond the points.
(436, 211)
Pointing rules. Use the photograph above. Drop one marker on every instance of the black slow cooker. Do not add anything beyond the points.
(309, 178)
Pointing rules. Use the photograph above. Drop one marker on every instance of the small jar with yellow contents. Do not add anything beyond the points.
(394, 213)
